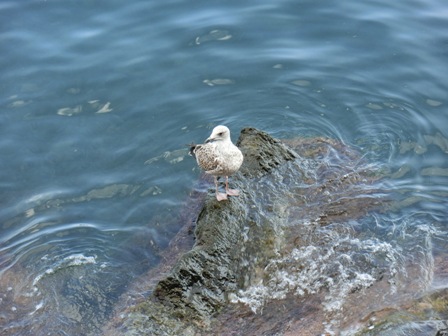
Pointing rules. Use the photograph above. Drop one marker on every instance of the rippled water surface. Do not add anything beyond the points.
(99, 98)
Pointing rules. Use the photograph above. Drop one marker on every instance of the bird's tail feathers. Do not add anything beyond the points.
(192, 148)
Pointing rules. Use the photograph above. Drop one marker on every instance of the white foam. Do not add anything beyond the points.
(79, 259)
(311, 269)
(37, 307)
(69, 261)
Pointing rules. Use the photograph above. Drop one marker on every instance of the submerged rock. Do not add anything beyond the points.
(427, 315)
(247, 247)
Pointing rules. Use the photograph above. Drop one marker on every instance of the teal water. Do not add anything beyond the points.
(99, 98)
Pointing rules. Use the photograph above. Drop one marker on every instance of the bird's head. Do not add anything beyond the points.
(219, 133)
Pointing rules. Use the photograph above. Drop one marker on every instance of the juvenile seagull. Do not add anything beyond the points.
(218, 156)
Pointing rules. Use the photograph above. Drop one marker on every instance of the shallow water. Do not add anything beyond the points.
(98, 100)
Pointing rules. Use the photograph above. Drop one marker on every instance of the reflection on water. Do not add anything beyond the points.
(98, 103)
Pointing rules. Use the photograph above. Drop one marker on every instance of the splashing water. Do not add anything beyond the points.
(333, 266)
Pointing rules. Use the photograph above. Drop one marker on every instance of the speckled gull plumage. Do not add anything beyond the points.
(218, 156)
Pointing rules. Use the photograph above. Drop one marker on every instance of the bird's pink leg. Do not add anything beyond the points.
(219, 196)
(231, 192)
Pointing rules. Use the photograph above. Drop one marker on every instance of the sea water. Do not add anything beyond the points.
(98, 100)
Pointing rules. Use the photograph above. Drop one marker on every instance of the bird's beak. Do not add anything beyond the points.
(209, 140)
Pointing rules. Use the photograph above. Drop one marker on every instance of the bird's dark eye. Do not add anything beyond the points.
(220, 134)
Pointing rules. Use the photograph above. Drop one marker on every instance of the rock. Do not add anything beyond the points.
(262, 153)
(199, 283)
(236, 240)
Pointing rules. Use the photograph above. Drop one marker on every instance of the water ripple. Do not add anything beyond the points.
(98, 103)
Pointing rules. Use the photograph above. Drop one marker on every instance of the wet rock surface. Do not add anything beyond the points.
(289, 191)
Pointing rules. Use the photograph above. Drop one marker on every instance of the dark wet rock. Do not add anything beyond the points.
(262, 153)
(200, 281)
(288, 191)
